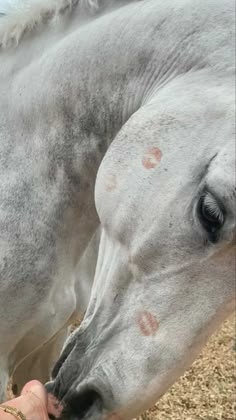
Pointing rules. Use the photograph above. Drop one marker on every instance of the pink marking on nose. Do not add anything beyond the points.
(152, 158)
(111, 183)
(54, 406)
(148, 324)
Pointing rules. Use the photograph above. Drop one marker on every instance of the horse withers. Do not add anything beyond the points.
(131, 111)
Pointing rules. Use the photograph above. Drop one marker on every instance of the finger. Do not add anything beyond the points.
(36, 388)
(32, 402)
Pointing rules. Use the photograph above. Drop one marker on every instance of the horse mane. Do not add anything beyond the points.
(29, 15)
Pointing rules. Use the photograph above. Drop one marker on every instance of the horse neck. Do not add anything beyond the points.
(88, 76)
(93, 79)
(106, 85)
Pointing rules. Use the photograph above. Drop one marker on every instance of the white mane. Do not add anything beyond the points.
(27, 15)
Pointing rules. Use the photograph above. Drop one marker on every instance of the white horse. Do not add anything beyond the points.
(128, 106)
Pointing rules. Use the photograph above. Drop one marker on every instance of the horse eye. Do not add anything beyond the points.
(211, 214)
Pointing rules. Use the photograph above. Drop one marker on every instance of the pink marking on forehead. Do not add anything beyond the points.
(148, 324)
(54, 406)
(152, 158)
(111, 183)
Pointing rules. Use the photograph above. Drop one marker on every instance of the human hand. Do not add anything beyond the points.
(32, 403)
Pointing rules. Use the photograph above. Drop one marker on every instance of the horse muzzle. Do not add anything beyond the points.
(86, 403)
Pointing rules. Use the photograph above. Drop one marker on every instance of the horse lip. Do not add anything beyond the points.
(55, 408)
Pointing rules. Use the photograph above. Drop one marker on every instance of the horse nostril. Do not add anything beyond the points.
(86, 404)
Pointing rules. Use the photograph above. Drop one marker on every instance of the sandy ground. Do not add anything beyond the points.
(208, 390)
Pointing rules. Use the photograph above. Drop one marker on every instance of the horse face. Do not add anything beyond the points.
(166, 265)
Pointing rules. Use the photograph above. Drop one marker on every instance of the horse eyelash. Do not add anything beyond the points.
(213, 207)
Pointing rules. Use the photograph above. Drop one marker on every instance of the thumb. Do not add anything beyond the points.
(37, 390)
(32, 402)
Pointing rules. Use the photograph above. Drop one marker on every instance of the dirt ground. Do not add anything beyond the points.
(208, 390)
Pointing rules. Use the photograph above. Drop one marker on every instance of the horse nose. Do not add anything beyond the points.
(87, 404)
